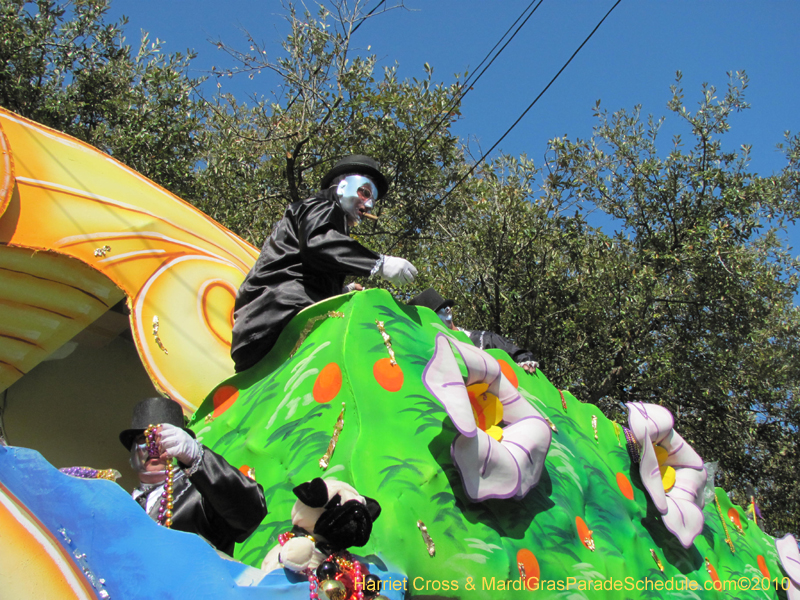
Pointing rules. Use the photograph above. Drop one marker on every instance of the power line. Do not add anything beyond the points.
(483, 157)
(530, 106)
(469, 84)
(369, 14)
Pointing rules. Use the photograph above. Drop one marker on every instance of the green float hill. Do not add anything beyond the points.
(279, 416)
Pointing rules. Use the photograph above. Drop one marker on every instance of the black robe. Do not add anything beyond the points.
(218, 502)
(304, 261)
(486, 340)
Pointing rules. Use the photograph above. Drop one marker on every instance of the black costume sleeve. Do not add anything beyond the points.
(493, 340)
(325, 244)
(233, 503)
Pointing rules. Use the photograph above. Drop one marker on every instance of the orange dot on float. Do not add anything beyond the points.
(248, 471)
(733, 515)
(762, 565)
(224, 398)
(528, 561)
(625, 486)
(328, 383)
(508, 371)
(388, 376)
(584, 533)
(714, 577)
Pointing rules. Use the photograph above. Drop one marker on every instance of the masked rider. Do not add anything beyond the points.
(484, 340)
(308, 255)
(208, 496)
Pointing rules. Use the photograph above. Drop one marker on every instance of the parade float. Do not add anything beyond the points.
(493, 483)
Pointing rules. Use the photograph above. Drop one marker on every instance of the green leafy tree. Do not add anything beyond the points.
(331, 103)
(689, 305)
(507, 256)
(62, 65)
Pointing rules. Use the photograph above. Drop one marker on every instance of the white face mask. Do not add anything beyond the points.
(446, 315)
(357, 194)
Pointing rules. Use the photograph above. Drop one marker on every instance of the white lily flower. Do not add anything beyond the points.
(672, 472)
(494, 461)
(790, 560)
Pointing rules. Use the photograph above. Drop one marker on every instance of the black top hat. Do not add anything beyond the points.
(430, 298)
(153, 411)
(363, 165)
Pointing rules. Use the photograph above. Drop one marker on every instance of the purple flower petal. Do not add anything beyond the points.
(441, 378)
(651, 476)
(513, 408)
(684, 519)
(689, 485)
(682, 506)
(790, 557)
(679, 453)
(637, 420)
(528, 441)
(649, 420)
(488, 470)
(508, 403)
(481, 367)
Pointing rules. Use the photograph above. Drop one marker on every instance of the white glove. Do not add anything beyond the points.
(398, 270)
(176, 443)
(352, 287)
(529, 366)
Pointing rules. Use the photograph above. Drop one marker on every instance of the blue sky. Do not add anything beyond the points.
(632, 59)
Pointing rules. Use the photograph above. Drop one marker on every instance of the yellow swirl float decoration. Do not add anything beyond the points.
(178, 267)
(40, 565)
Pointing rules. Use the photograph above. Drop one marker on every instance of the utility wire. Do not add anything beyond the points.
(466, 87)
(432, 127)
(530, 106)
(369, 14)
(525, 112)
(473, 79)
(468, 84)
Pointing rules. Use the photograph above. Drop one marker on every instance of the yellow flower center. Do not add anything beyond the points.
(487, 410)
(667, 473)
